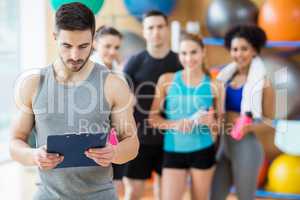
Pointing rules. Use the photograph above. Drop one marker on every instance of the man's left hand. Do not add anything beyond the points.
(102, 156)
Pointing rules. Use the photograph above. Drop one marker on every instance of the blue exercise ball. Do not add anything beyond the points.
(94, 5)
(224, 14)
(137, 8)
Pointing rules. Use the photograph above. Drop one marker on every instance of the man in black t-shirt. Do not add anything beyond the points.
(143, 71)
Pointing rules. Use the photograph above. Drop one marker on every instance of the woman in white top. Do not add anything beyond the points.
(106, 44)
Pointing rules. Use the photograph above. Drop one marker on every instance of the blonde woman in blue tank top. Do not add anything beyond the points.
(188, 142)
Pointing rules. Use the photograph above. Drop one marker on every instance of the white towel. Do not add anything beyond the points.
(253, 88)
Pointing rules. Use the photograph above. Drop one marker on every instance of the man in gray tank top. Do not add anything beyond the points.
(73, 95)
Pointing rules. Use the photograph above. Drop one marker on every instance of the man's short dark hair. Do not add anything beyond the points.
(158, 13)
(75, 17)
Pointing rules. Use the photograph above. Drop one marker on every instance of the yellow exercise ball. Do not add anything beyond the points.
(284, 175)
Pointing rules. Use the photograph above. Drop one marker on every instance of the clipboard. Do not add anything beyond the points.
(73, 146)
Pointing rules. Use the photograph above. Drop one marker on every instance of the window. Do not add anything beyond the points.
(9, 34)
(9, 67)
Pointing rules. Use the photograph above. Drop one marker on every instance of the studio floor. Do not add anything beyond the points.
(18, 183)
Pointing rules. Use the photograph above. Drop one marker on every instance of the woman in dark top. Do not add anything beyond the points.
(238, 161)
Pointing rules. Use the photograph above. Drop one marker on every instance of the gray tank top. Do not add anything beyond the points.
(80, 108)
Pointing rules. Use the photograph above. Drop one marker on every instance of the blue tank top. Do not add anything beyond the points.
(233, 98)
(182, 102)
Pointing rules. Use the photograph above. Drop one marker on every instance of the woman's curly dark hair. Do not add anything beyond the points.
(252, 33)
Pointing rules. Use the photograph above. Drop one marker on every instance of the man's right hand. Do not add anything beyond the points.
(44, 160)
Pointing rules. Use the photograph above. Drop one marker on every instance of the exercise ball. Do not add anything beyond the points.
(137, 8)
(285, 77)
(223, 15)
(132, 43)
(94, 5)
(284, 175)
(283, 74)
(214, 71)
(280, 19)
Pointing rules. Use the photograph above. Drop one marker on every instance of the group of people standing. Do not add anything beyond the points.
(178, 109)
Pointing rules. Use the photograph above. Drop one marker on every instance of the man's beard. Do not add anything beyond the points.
(80, 61)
